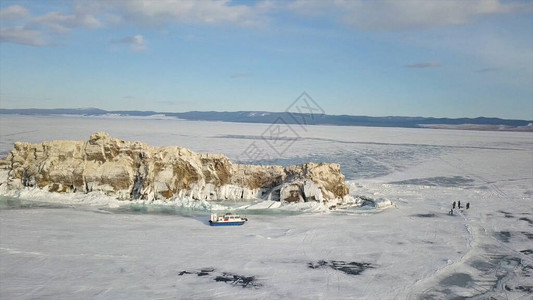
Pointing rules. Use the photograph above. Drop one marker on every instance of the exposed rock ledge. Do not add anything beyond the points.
(135, 170)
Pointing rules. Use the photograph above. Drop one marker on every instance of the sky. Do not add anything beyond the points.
(433, 58)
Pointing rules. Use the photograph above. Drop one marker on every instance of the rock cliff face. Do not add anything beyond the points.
(135, 170)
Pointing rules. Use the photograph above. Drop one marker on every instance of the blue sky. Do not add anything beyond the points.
(411, 58)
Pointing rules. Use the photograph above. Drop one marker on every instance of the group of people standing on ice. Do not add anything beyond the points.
(458, 206)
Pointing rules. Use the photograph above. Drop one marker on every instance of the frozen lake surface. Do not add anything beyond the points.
(78, 246)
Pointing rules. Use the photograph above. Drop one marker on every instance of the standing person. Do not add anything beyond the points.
(453, 205)
(458, 204)
(467, 205)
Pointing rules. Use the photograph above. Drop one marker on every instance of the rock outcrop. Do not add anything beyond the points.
(135, 170)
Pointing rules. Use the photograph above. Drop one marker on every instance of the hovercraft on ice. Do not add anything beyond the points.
(228, 219)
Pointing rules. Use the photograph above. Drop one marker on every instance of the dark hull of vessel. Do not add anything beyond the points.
(226, 223)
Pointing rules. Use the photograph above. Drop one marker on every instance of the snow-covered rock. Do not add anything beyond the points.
(135, 170)
(312, 192)
(291, 193)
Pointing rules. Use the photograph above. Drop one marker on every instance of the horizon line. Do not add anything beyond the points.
(264, 111)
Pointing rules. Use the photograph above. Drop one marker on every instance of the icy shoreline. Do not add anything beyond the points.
(99, 199)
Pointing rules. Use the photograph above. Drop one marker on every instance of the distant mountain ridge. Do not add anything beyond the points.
(480, 123)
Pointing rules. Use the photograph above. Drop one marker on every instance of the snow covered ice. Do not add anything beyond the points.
(90, 246)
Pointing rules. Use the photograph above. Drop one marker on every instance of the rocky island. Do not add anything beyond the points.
(134, 170)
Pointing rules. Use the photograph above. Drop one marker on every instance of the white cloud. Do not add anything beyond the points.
(136, 42)
(23, 36)
(162, 12)
(60, 23)
(21, 27)
(358, 14)
(37, 30)
(403, 14)
(13, 12)
(146, 12)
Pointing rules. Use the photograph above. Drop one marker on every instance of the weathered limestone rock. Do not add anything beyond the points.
(135, 170)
